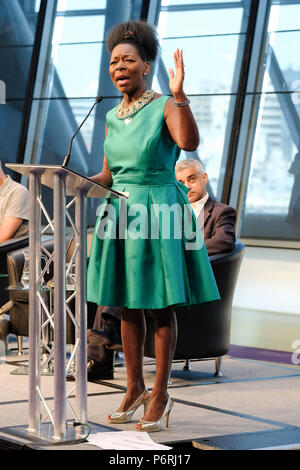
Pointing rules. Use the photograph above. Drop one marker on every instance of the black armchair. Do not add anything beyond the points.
(19, 309)
(5, 248)
(204, 331)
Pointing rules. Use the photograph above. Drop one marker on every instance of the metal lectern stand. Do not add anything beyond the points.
(64, 182)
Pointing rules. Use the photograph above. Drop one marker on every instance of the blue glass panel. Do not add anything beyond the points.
(17, 31)
(74, 29)
(65, 5)
(206, 73)
(272, 204)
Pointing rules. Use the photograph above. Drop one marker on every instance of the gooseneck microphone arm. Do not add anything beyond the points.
(98, 100)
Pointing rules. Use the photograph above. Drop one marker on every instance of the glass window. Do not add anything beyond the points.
(64, 5)
(202, 70)
(73, 71)
(191, 2)
(11, 114)
(272, 201)
(283, 46)
(211, 114)
(74, 29)
(77, 68)
(15, 72)
(200, 22)
(212, 37)
(17, 30)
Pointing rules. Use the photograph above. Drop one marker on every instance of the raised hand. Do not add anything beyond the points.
(178, 114)
(176, 80)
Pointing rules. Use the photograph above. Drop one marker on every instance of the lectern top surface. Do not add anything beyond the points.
(73, 181)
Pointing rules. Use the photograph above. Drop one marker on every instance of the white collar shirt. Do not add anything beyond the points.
(198, 208)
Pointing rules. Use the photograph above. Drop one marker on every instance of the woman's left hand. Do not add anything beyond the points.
(180, 121)
(176, 80)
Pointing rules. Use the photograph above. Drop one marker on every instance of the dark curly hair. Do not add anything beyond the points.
(140, 34)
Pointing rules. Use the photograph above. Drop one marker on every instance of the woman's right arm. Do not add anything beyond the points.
(104, 177)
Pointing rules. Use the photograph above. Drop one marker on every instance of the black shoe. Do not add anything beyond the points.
(95, 371)
(98, 371)
(108, 336)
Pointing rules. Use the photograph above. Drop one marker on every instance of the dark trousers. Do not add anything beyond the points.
(101, 353)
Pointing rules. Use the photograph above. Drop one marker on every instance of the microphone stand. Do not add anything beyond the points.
(66, 160)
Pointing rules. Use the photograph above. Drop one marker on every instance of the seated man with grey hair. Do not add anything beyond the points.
(216, 220)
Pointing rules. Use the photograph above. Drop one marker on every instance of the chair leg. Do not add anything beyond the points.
(20, 345)
(187, 365)
(218, 361)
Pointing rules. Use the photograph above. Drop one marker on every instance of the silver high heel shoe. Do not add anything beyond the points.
(119, 417)
(154, 426)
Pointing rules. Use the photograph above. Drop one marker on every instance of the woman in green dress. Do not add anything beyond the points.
(156, 267)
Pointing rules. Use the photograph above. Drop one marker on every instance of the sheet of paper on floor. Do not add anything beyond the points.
(125, 440)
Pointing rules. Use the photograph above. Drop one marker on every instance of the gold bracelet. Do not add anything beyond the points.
(183, 103)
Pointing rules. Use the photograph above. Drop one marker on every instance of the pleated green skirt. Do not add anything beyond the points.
(149, 253)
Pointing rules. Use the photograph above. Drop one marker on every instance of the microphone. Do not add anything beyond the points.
(67, 157)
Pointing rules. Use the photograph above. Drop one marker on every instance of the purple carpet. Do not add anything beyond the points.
(269, 355)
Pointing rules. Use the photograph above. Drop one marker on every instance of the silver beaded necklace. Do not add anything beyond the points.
(126, 113)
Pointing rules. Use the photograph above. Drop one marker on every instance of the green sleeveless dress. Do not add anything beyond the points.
(147, 253)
